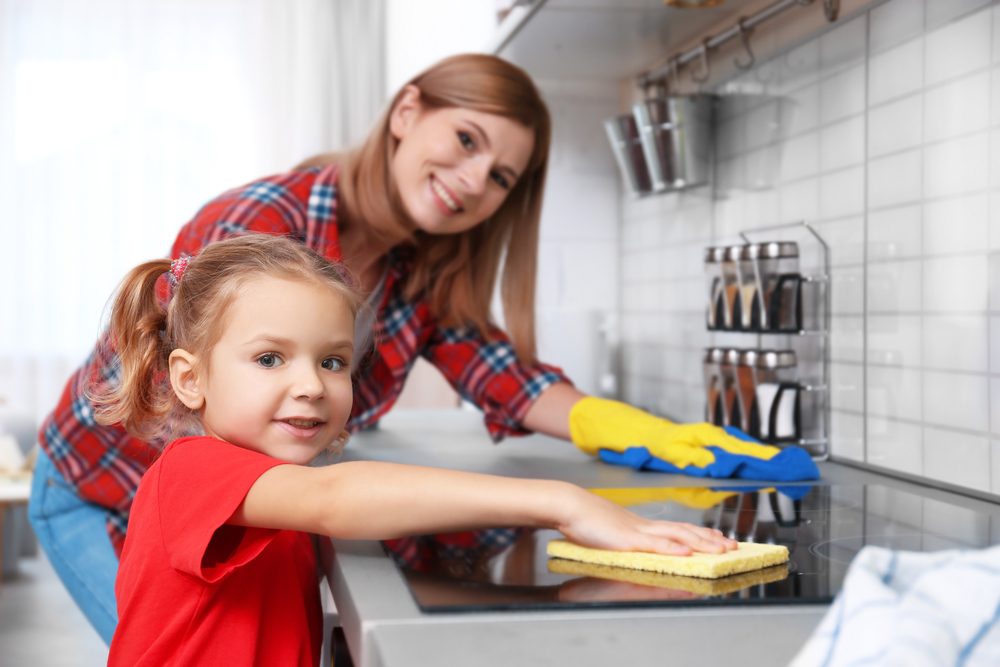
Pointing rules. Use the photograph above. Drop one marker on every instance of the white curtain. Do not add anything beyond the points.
(120, 118)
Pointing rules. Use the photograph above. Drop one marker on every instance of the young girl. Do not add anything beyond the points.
(257, 341)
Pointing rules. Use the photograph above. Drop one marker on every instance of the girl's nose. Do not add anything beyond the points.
(307, 384)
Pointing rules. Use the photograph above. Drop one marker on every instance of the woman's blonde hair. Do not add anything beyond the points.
(147, 324)
(459, 271)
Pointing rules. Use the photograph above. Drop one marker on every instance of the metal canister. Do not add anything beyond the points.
(676, 134)
(711, 366)
(716, 314)
(777, 395)
(627, 147)
(777, 271)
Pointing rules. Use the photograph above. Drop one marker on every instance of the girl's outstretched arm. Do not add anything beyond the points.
(373, 500)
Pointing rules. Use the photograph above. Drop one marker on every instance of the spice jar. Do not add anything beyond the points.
(777, 395)
(746, 390)
(750, 308)
(716, 297)
(713, 386)
(777, 274)
(731, 286)
(730, 396)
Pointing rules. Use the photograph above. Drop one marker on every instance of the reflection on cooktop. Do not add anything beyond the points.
(822, 526)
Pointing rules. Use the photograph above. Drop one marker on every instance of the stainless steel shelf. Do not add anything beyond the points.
(601, 39)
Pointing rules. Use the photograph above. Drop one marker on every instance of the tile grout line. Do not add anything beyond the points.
(989, 320)
(864, 249)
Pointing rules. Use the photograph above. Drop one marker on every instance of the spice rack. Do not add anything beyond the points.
(769, 308)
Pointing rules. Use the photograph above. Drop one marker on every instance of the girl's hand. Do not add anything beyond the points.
(592, 521)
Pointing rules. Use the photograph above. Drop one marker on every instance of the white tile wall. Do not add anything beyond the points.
(958, 400)
(884, 132)
(939, 13)
(955, 284)
(947, 457)
(956, 225)
(894, 340)
(958, 48)
(896, 126)
(895, 445)
(897, 72)
(578, 264)
(957, 166)
(895, 22)
(895, 233)
(956, 342)
(895, 180)
(957, 108)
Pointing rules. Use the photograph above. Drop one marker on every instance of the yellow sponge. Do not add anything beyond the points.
(694, 585)
(749, 556)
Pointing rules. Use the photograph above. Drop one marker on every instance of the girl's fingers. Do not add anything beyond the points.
(695, 537)
(667, 546)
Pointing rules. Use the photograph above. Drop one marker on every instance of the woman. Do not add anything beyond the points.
(449, 181)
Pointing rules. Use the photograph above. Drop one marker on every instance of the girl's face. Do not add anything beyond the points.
(279, 379)
(453, 167)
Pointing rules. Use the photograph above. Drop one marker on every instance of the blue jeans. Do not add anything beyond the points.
(73, 534)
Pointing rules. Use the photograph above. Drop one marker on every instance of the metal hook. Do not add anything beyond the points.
(746, 46)
(673, 76)
(704, 65)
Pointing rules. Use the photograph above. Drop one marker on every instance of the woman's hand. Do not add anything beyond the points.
(592, 521)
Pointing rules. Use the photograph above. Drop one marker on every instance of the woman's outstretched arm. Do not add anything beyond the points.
(373, 500)
(550, 412)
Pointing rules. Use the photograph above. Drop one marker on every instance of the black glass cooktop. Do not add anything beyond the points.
(822, 526)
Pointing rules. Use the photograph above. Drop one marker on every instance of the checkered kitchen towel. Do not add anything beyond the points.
(912, 609)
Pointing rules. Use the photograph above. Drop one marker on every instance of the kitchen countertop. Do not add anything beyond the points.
(384, 626)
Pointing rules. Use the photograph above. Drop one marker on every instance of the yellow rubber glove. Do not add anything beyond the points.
(597, 423)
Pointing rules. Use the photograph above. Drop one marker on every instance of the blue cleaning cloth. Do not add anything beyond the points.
(791, 464)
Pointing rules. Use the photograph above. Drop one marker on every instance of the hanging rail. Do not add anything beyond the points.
(739, 30)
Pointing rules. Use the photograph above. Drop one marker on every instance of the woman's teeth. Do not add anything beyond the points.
(302, 423)
(443, 194)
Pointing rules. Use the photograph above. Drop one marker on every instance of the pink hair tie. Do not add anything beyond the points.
(177, 268)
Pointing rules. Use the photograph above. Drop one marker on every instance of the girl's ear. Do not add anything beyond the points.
(405, 112)
(184, 379)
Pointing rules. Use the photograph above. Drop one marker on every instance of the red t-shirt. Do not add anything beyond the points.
(194, 590)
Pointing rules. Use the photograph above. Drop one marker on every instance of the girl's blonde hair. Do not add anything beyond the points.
(459, 271)
(147, 323)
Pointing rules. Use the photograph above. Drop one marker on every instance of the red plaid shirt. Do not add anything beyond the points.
(104, 464)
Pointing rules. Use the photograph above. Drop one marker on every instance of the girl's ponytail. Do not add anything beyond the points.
(141, 398)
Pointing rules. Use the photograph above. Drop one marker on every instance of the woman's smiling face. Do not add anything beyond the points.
(453, 167)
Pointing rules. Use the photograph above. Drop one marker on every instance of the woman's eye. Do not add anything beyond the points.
(466, 140)
(500, 180)
(333, 364)
(268, 360)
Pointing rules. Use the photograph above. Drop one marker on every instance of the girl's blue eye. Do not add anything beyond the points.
(466, 140)
(269, 360)
(500, 180)
(333, 364)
